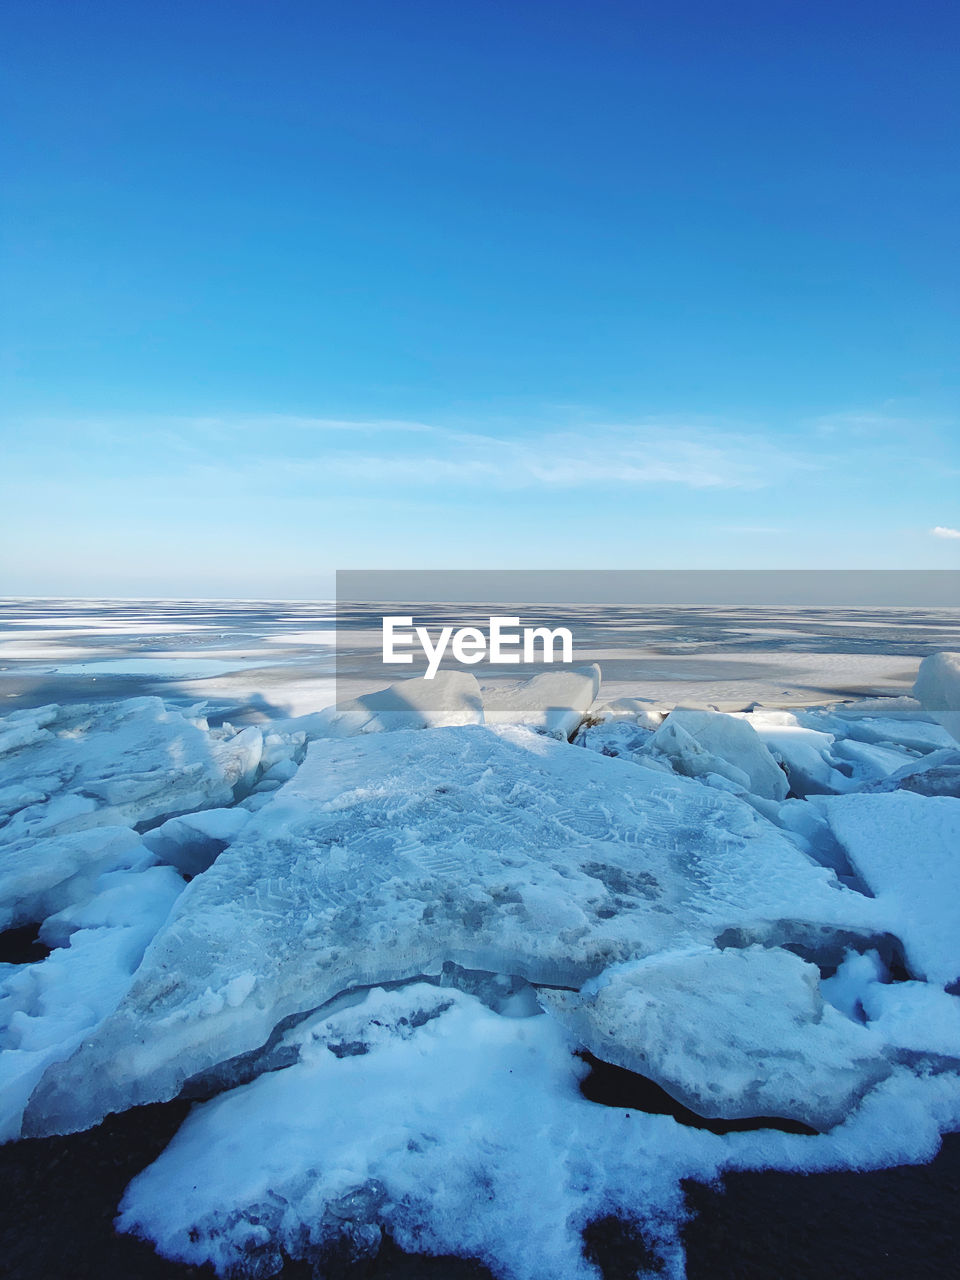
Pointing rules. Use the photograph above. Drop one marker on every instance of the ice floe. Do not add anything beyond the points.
(389, 854)
(730, 1034)
(119, 764)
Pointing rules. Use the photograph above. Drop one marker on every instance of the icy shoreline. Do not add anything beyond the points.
(396, 936)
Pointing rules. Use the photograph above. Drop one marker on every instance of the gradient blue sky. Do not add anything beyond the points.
(292, 287)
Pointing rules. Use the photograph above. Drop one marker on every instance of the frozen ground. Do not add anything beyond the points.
(381, 943)
(256, 660)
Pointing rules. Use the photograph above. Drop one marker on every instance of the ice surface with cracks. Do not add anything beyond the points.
(390, 854)
(118, 764)
(906, 847)
(731, 1034)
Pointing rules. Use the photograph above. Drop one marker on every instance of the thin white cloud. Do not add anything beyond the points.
(282, 453)
(941, 531)
(616, 456)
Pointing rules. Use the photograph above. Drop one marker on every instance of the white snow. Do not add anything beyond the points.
(907, 849)
(938, 689)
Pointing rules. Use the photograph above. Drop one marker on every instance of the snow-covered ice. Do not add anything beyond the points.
(906, 847)
(555, 702)
(730, 1034)
(390, 854)
(938, 689)
(462, 1131)
(125, 764)
(451, 697)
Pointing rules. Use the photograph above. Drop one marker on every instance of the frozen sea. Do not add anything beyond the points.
(257, 660)
(492, 979)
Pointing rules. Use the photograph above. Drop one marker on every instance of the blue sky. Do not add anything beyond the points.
(292, 287)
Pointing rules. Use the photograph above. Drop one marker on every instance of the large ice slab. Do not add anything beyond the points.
(120, 764)
(731, 1034)
(450, 698)
(553, 702)
(938, 689)
(699, 742)
(906, 847)
(390, 854)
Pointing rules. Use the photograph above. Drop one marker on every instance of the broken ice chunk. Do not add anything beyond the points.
(450, 698)
(730, 1034)
(192, 842)
(124, 764)
(698, 742)
(48, 1007)
(38, 877)
(905, 847)
(938, 689)
(554, 702)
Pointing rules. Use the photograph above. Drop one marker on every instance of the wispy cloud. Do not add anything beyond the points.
(622, 456)
(942, 531)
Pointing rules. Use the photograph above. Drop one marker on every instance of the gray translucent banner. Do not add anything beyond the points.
(716, 638)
